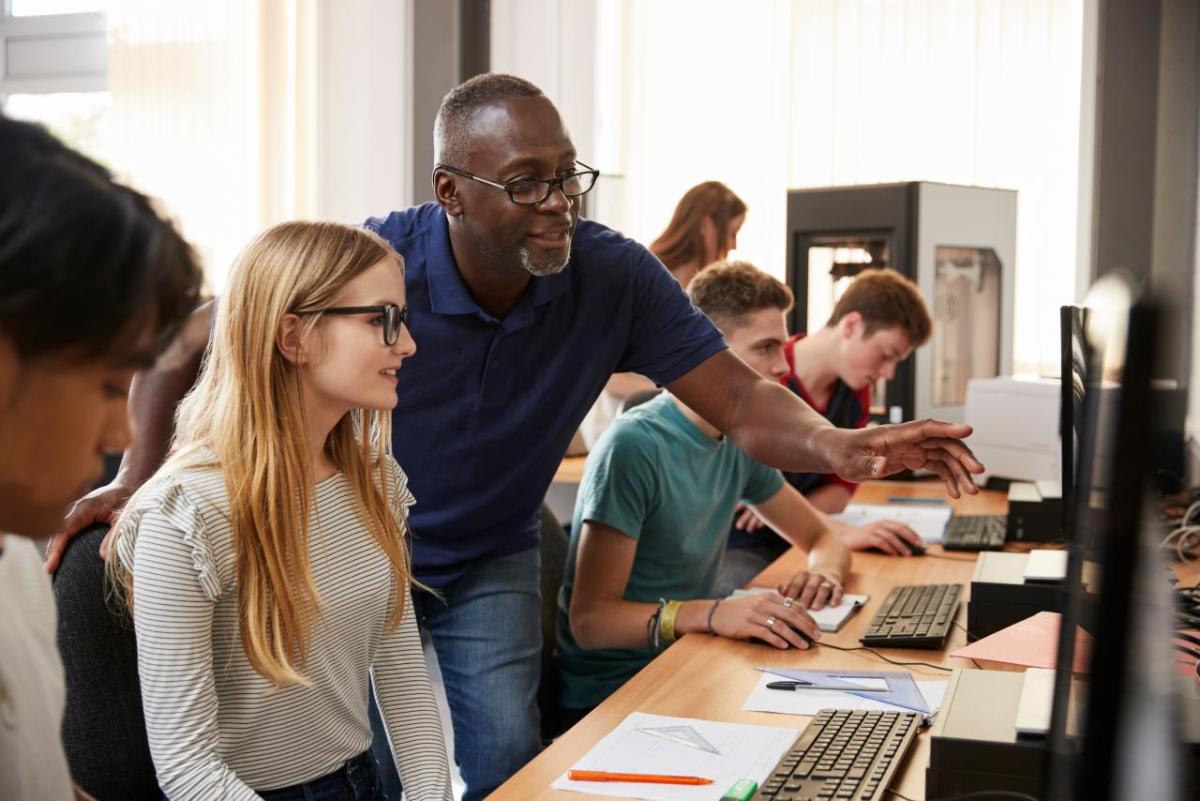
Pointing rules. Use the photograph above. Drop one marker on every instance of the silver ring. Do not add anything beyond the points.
(788, 601)
(771, 623)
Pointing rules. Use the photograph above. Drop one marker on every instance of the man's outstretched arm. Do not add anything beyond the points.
(779, 429)
(153, 396)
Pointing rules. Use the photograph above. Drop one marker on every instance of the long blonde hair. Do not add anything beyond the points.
(246, 408)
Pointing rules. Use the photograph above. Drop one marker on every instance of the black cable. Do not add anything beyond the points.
(975, 794)
(881, 656)
(963, 629)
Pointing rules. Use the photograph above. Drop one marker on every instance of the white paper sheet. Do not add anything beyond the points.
(810, 702)
(747, 752)
(928, 521)
(829, 618)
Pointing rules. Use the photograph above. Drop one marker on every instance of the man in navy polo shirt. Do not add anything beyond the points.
(522, 311)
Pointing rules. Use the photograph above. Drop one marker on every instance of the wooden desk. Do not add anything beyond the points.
(570, 471)
(708, 677)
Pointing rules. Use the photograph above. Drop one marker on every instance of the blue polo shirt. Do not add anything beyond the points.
(488, 406)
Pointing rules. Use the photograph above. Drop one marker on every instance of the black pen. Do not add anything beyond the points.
(808, 685)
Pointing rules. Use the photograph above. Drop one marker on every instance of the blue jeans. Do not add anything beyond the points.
(488, 638)
(354, 781)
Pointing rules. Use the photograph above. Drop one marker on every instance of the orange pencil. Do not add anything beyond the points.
(645, 778)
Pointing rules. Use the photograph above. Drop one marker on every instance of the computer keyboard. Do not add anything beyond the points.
(914, 616)
(843, 756)
(976, 533)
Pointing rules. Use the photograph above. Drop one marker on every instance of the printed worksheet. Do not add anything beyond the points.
(637, 745)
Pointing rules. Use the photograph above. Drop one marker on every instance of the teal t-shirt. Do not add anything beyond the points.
(659, 479)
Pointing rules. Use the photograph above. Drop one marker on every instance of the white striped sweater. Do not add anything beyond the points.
(217, 730)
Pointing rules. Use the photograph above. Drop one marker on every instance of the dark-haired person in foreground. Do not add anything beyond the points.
(522, 311)
(92, 284)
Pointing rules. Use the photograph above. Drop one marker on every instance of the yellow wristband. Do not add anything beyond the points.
(666, 621)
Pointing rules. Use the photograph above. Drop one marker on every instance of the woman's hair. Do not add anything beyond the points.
(87, 266)
(682, 243)
(246, 408)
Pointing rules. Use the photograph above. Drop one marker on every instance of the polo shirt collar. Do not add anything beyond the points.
(448, 294)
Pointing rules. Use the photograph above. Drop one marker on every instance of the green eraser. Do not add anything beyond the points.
(742, 790)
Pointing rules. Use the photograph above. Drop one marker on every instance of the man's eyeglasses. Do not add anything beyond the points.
(392, 317)
(531, 192)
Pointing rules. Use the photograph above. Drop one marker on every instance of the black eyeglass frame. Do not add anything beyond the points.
(393, 318)
(509, 188)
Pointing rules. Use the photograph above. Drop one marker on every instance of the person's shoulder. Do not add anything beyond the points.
(21, 574)
(401, 226)
(646, 429)
(596, 243)
(187, 496)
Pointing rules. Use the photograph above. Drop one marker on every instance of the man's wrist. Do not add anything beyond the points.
(827, 445)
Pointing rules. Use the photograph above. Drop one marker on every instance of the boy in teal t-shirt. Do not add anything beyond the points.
(653, 513)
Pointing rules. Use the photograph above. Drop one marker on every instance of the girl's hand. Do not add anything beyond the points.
(769, 617)
(813, 590)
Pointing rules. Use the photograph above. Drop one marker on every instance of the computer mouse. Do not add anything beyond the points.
(915, 550)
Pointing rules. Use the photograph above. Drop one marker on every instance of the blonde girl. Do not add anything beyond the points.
(265, 562)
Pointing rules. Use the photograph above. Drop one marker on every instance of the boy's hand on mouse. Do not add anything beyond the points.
(813, 590)
(767, 616)
(890, 536)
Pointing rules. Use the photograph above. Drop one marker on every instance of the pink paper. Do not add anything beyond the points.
(1031, 643)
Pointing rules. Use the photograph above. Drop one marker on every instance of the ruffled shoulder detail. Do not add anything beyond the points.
(169, 497)
(402, 496)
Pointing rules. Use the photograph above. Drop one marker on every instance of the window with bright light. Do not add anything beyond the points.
(38, 8)
(78, 118)
(781, 94)
(55, 69)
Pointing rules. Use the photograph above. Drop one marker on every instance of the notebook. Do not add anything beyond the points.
(928, 521)
(831, 618)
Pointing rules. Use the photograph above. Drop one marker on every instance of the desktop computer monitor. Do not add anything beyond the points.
(1072, 386)
(1108, 557)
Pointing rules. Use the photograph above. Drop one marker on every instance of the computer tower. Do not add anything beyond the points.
(958, 243)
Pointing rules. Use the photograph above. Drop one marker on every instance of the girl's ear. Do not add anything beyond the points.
(289, 339)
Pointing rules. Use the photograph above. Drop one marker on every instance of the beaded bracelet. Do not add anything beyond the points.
(666, 621)
(708, 620)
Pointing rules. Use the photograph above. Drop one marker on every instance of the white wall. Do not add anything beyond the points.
(363, 108)
(552, 44)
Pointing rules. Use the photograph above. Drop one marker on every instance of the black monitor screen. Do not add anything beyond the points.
(1111, 470)
(1072, 386)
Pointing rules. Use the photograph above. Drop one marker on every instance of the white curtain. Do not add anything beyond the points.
(771, 95)
(213, 113)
